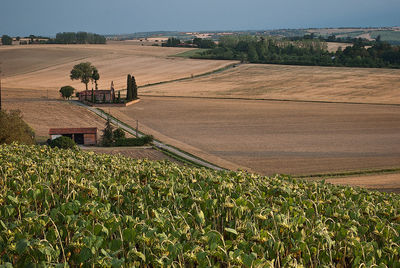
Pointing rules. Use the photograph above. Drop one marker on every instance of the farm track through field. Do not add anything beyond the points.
(156, 143)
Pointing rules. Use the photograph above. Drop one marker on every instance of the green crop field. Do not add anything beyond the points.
(71, 208)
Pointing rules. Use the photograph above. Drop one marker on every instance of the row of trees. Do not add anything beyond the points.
(62, 38)
(303, 52)
(78, 38)
(196, 42)
(131, 88)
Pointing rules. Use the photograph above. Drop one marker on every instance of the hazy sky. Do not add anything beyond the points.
(47, 17)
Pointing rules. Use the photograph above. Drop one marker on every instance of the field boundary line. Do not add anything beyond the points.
(170, 149)
(334, 175)
(219, 70)
(268, 99)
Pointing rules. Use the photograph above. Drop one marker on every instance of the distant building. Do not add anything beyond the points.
(83, 136)
(99, 95)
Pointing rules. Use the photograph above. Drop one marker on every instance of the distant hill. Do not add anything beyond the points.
(388, 34)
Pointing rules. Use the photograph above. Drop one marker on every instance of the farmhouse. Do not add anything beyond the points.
(83, 136)
(98, 95)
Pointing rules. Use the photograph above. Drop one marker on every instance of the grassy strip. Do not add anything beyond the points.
(349, 173)
(189, 53)
(178, 158)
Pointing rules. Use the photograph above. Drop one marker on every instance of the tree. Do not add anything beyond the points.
(119, 134)
(82, 71)
(134, 88)
(13, 128)
(6, 40)
(107, 138)
(67, 91)
(129, 93)
(95, 76)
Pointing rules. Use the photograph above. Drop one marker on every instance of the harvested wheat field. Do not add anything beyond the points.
(292, 83)
(42, 113)
(270, 137)
(47, 67)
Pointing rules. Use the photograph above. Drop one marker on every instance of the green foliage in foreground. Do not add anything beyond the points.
(63, 143)
(98, 210)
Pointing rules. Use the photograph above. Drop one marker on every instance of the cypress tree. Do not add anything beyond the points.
(129, 88)
(119, 97)
(134, 88)
(93, 96)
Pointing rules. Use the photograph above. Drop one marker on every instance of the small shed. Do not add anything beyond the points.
(83, 136)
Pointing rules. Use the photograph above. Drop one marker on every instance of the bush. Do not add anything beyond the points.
(119, 134)
(14, 129)
(63, 143)
(134, 141)
(67, 91)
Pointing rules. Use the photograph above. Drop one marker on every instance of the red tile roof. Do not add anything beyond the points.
(61, 131)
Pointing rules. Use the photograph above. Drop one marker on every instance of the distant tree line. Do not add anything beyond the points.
(196, 42)
(308, 51)
(78, 38)
(61, 38)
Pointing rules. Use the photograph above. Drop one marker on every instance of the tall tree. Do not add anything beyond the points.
(134, 88)
(82, 71)
(95, 76)
(129, 93)
(107, 137)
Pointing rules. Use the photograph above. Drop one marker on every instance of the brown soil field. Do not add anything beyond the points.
(366, 85)
(270, 137)
(47, 67)
(382, 182)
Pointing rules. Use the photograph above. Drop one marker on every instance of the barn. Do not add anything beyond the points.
(83, 136)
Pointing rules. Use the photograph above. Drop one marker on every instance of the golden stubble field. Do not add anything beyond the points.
(311, 83)
(47, 67)
(32, 76)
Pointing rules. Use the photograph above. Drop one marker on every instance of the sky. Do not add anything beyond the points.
(48, 17)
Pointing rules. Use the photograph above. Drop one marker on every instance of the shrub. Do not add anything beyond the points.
(63, 143)
(118, 134)
(14, 129)
(134, 141)
(67, 91)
